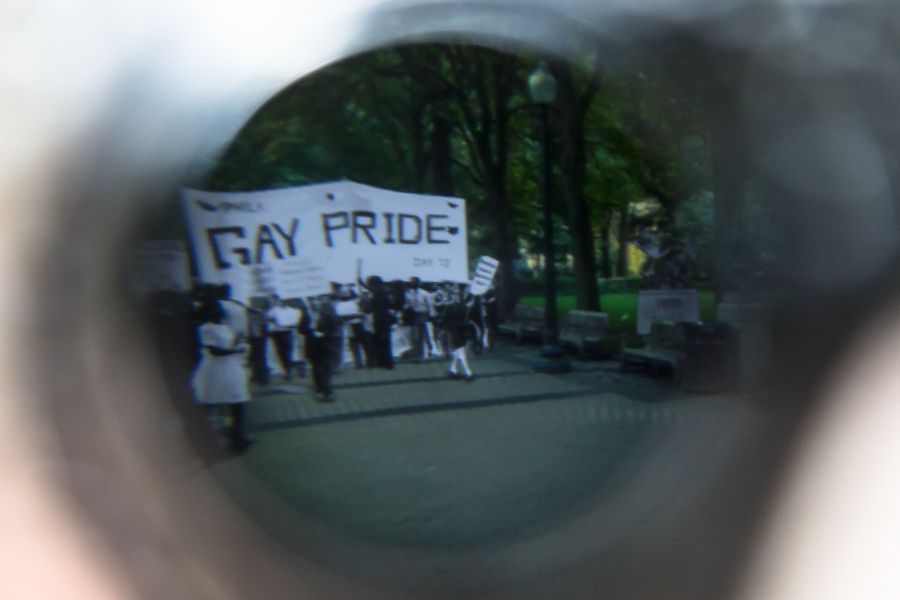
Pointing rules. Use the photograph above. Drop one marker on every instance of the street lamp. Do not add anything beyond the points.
(542, 88)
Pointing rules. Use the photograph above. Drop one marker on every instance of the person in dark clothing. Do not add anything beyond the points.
(455, 324)
(321, 331)
(380, 306)
(258, 338)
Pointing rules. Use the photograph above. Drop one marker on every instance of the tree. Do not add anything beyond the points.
(486, 84)
(573, 105)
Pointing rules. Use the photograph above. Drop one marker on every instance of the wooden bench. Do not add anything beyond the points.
(585, 331)
(664, 349)
(527, 323)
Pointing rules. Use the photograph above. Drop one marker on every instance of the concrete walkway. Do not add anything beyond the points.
(413, 482)
(504, 377)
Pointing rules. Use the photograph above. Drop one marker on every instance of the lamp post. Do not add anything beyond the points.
(542, 88)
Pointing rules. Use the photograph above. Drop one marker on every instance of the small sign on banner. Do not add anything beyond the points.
(484, 275)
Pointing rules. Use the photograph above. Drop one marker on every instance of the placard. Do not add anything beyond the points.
(484, 275)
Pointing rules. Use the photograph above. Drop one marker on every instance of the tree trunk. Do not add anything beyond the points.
(441, 155)
(573, 158)
(484, 84)
(504, 246)
(419, 150)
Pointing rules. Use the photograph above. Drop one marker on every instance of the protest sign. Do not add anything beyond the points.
(484, 275)
(296, 241)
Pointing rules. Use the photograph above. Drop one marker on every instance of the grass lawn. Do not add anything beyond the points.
(621, 307)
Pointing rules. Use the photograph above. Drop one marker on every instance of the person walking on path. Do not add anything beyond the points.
(454, 323)
(219, 378)
(283, 321)
(321, 328)
(258, 338)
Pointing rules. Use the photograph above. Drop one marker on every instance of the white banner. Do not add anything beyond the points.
(296, 241)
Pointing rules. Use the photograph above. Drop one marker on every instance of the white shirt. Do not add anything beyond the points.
(284, 317)
(418, 300)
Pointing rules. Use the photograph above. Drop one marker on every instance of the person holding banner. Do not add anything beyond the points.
(380, 307)
(258, 337)
(283, 321)
(383, 321)
(320, 327)
(360, 331)
(416, 310)
(219, 378)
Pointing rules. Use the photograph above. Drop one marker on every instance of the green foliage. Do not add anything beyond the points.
(456, 119)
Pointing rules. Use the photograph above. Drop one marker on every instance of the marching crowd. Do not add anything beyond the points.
(367, 324)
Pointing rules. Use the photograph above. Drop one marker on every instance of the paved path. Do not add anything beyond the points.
(506, 378)
(424, 484)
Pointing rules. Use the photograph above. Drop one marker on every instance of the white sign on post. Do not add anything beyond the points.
(296, 241)
(484, 275)
(666, 305)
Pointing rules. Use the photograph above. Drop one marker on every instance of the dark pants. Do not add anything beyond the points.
(322, 361)
(259, 366)
(361, 345)
(284, 346)
(381, 345)
(418, 335)
(236, 434)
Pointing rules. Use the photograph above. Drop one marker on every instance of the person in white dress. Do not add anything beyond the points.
(235, 313)
(219, 379)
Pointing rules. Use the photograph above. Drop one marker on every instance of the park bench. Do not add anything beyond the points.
(664, 349)
(586, 332)
(527, 323)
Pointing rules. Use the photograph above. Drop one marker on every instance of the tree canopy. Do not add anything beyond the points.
(457, 119)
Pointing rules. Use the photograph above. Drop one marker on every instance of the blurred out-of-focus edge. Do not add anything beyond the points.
(787, 487)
